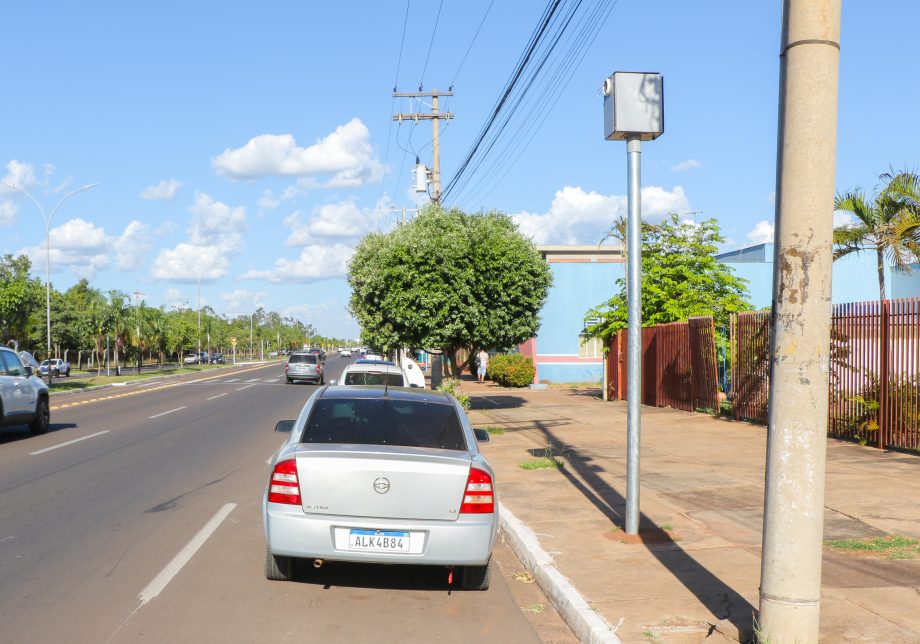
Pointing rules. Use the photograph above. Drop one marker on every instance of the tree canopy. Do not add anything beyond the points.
(681, 278)
(888, 224)
(448, 280)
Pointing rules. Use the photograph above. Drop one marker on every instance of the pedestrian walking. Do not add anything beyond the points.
(482, 364)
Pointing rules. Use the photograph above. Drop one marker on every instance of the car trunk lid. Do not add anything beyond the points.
(382, 481)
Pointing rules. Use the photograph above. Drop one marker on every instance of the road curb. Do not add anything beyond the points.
(586, 623)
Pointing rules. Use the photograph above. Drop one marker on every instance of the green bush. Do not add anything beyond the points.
(512, 370)
(452, 386)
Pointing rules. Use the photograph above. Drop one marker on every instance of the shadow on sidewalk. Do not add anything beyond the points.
(479, 401)
(718, 597)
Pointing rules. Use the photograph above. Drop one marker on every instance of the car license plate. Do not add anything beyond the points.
(378, 540)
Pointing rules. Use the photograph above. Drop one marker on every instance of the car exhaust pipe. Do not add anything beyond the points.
(318, 563)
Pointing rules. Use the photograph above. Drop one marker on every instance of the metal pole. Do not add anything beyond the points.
(199, 317)
(634, 333)
(790, 583)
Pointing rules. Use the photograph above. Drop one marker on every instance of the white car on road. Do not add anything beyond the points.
(23, 396)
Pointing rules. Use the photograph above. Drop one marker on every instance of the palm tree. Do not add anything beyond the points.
(889, 224)
(119, 320)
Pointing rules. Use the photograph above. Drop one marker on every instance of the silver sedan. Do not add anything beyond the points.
(381, 475)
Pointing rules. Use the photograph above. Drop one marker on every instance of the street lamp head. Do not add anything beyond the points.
(89, 185)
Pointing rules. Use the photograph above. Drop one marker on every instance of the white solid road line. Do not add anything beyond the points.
(163, 413)
(246, 387)
(76, 440)
(159, 582)
(217, 396)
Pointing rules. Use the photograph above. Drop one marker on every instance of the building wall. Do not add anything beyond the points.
(855, 278)
(579, 284)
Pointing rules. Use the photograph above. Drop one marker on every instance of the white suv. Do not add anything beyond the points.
(23, 396)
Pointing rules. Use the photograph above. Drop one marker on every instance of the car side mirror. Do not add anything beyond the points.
(28, 371)
(481, 435)
(416, 385)
(284, 426)
(333, 383)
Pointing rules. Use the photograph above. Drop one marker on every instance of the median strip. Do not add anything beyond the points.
(76, 440)
(163, 413)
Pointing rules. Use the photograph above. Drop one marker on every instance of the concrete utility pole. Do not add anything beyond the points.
(790, 582)
(435, 116)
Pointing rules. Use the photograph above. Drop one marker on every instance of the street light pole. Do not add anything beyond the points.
(47, 221)
(199, 275)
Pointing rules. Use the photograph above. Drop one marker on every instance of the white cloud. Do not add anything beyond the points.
(85, 248)
(173, 297)
(216, 224)
(188, 262)
(268, 201)
(343, 220)
(165, 190)
(8, 212)
(683, 166)
(241, 300)
(345, 153)
(316, 262)
(579, 217)
(762, 233)
(842, 218)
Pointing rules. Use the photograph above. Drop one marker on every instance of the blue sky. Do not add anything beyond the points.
(248, 143)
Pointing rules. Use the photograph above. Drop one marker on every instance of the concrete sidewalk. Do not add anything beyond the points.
(694, 572)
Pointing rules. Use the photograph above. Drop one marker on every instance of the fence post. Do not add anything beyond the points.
(883, 388)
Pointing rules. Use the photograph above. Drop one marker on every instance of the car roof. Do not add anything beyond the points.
(377, 392)
(377, 362)
(373, 367)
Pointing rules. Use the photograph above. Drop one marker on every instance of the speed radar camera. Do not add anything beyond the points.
(633, 106)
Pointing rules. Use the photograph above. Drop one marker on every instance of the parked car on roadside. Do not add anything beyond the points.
(381, 475)
(304, 366)
(364, 372)
(23, 395)
(58, 367)
(196, 358)
(217, 358)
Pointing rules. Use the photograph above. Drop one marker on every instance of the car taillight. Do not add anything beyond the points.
(285, 488)
(286, 367)
(478, 498)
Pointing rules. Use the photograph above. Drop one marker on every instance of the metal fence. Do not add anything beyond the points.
(874, 389)
(678, 365)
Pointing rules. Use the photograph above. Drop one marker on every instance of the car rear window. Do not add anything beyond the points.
(408, 423)
(373, 378)
(303, 357)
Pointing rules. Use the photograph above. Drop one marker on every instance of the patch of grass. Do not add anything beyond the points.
(667, 526)
(62, 384)
(495, 431)
(533, 608)
(890, 547)
(542, 463)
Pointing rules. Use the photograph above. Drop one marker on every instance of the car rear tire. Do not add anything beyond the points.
(476, 577)
(42, 418)
(278, 568)
(289, 381)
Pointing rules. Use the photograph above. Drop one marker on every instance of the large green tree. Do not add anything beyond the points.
(887, 225)
(680, 279)
(21, 299)
(448, 281)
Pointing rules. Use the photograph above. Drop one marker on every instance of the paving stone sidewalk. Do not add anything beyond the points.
(694, 573)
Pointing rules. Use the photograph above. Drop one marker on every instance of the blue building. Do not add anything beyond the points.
(583, 277)
(586, 276)
(855, 276)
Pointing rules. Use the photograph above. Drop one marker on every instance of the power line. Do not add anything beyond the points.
(509, 86)
(472, 42)
(386, 156)
(430, 44)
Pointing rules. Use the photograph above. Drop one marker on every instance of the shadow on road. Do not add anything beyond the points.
(20, 432)
(394, 577)
(478, 401)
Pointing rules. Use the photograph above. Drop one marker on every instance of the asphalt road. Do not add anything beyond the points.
(137, 517)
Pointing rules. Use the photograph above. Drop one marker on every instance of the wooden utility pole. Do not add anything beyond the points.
(435, 116)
